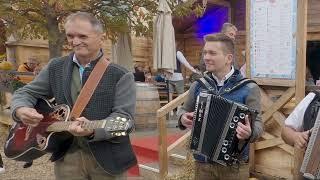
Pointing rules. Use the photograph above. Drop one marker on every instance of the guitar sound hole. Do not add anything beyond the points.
(61, 111)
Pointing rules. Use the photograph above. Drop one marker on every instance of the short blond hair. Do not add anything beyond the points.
(227, 42)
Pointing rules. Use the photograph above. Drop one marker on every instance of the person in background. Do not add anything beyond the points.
(29, 66)
(195, 75)
(229, 30)
(243, 68)
(148, 74)
(139, 73)
(176, 81)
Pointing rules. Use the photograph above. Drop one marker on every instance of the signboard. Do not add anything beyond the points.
(273, 27)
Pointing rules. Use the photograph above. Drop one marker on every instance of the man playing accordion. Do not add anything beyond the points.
(218, 56)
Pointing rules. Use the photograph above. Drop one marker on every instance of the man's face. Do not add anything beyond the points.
(215, 59)
(231, 33)
(83, 38)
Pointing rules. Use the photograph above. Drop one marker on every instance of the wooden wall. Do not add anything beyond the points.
(19, 51)
(313, 20)
(313, 16)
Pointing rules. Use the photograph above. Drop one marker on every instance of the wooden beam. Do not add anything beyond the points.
(273, 173)
(181, 141)
(172, 104)
(301, 49)
(313, 29)
(284, 147)
(275, 82)
(252, 157)
(219, 2)
(279, 118)
(287, 95)
(313, 36)
(267, 103)
(268, 143)
(248, 48)
(162, 144)
(302, 12)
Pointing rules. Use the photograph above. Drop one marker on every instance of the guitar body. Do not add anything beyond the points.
(26, 143)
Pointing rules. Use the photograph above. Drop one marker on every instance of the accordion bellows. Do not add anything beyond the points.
(214, 130)
(311, 162)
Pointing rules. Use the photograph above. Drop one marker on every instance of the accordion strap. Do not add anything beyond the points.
(206, 82)
(242, 83)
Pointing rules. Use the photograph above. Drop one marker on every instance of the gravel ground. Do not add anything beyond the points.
(42, 168)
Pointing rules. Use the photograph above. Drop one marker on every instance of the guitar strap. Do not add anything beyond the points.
(89, 87)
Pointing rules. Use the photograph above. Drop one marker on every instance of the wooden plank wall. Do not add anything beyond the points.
(313, 21)
(240, 15)
(141, 47)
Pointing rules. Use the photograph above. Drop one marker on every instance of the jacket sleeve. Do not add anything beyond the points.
(253, 100)
(124, 104)
(27, 95)
(188, 105)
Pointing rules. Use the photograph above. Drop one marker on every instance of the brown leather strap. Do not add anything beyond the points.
(89, 87)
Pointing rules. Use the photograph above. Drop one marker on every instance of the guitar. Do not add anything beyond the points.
(26, 143)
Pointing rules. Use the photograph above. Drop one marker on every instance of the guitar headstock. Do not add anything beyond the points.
(118, 126)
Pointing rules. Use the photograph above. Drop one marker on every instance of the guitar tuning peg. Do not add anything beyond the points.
(124, 119)
(123, 133)
(118, 118)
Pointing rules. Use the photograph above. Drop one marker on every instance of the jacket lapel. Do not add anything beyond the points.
(67, 75)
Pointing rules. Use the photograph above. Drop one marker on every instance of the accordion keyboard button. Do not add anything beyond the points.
(232, 125)
(242, 115)
(226, 157)
(225, 142)
(235, 119)
(224, 150)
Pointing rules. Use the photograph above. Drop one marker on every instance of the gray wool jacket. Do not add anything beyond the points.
(114, 96)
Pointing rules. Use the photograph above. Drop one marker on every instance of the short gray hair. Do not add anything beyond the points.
(96, 24)
(226, 26)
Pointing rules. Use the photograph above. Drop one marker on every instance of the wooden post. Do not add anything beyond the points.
(163, 154)
(301, 49)
(248, 70)
(300, 74)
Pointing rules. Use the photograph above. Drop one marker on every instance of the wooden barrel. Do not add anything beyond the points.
(147, 104)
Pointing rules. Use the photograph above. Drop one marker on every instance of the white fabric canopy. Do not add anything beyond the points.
(164, 47)
(121, 52)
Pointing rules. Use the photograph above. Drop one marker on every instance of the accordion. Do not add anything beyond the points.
(214, 128)
(311, 162)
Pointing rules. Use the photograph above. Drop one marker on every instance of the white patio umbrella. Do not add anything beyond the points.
(164, 46)
(121, 52)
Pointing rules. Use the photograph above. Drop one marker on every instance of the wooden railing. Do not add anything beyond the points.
(162, 127)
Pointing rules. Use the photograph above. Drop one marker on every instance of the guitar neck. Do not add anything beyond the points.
(64, 125)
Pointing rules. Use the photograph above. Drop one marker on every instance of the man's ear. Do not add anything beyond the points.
(103, 37)
(229, 58)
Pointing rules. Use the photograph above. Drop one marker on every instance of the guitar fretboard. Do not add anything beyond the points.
(64, 125)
